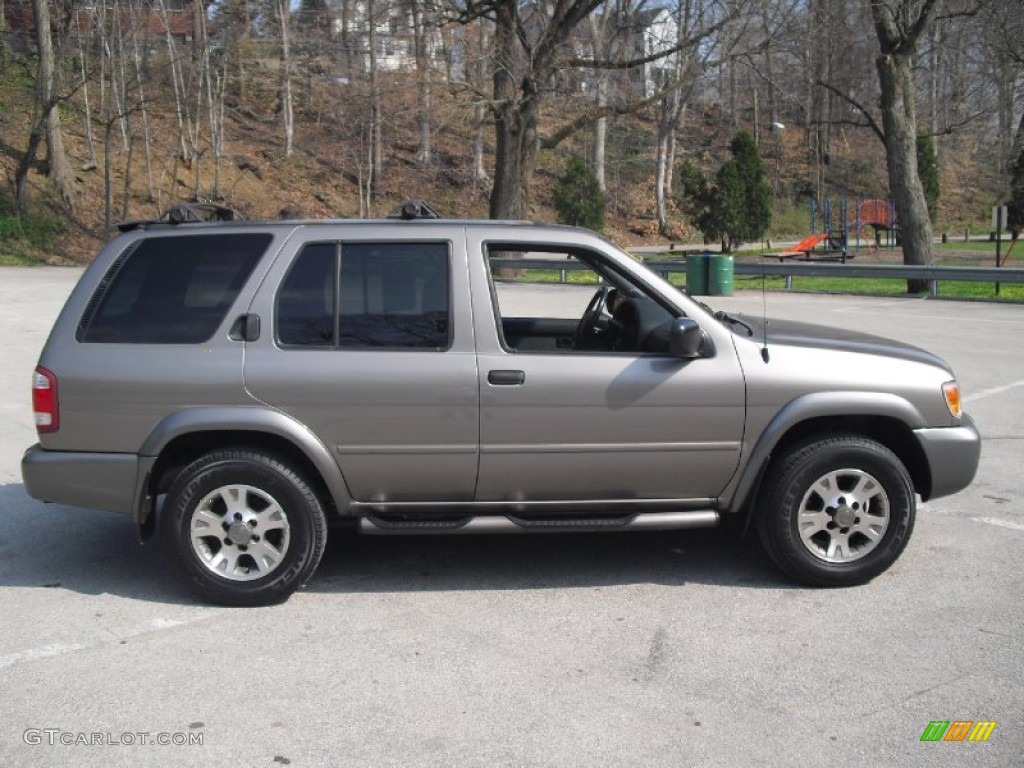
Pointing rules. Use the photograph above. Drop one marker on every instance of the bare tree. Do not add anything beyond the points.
(376, 142)
(478, 66)
(527, 55)
(898, 27)
(91, 163)
(47, 119)
(287, 114)
(680, 77)
(422, 21)
(143, 107)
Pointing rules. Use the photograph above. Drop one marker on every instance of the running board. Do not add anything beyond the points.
(644, 521)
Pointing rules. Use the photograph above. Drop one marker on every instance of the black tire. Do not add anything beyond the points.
(270, 498)
(869, 492)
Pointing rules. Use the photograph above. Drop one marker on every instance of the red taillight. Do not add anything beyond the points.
(44, 400)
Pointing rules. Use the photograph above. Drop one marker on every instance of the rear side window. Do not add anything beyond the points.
(171, 290)
(366, 295)
(305, 303)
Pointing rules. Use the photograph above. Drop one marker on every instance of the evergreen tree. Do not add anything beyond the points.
(578, 198)
(928, 172)
(737, 208)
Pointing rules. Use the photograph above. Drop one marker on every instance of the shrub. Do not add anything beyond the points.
(928, 172)
(578, 198)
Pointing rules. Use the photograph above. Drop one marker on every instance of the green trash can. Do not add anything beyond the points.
(697, 274)
(720, 274)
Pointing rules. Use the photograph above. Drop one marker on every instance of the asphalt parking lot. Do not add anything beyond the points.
(678, 649)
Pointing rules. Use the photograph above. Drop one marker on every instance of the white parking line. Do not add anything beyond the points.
(61, 649)
(994, 391)
(57, 649)
(875, 305)
(1000, 523)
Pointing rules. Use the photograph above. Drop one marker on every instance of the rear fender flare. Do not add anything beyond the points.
(237, 419)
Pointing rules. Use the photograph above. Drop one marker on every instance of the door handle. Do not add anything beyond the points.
(506, 378)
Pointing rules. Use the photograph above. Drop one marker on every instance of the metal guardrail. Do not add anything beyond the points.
(934, 273)
(789, 269)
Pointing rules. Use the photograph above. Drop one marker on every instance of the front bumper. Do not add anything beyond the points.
(96, 480)
(953, 454)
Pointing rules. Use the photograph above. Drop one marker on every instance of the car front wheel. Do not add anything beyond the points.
(243, 527)
(836, 512)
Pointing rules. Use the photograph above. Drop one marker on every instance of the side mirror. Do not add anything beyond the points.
(686, 339)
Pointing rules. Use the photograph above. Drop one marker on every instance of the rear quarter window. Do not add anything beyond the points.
(171, 290)
(367, 296)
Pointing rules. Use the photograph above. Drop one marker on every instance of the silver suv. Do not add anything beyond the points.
(240, 385)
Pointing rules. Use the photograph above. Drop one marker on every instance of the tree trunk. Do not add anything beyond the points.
(515, 124)
(56, 158)
(143, 108)
(477, 74)
(3, 35)
(479, 171)
(601, 149)
(660, 182)
(898, 30)
(35, 138)
(177, 82)
(899, 120)
(284, 10)
(598, 32)
(421, 40)
(375, 170)
(91, 163)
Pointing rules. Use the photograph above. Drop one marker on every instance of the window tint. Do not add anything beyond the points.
(390, 295)
(171, 290)
(305, 303)
(394, 295)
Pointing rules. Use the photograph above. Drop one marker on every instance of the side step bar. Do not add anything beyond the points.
(644, 521)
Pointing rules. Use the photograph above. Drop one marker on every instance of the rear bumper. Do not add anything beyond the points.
(953, 454)
(96, 480)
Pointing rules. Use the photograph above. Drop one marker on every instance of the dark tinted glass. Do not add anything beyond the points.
(394, 295)
(171, 290)
(305, 303)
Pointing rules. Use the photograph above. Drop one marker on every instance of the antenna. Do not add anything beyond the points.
(764, 314)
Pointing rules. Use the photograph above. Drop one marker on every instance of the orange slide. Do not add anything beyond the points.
(806, 245)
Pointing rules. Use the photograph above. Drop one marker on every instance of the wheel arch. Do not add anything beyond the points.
(885, 418)
(185, 435)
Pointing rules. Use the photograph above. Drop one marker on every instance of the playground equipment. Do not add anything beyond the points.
(831, 241)
(880, 215)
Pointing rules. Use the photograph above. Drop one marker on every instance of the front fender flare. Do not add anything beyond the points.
(804, 408)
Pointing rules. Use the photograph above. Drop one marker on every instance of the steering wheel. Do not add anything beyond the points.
(595, 320)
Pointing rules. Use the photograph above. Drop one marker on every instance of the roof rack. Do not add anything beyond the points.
(184, 213)
(414, 209)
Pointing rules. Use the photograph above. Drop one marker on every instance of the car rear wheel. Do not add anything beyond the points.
(836, 512)
(244, 527)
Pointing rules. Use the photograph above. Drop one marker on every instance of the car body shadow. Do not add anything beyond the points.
(355, 563)
(50, 546)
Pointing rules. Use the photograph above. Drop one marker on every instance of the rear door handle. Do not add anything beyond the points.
(506, 378)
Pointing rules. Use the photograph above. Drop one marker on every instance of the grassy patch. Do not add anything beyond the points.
(877, 286)
(841, 285)
(26, 240)
(572, 277)
(789, 219)
(985, 247)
